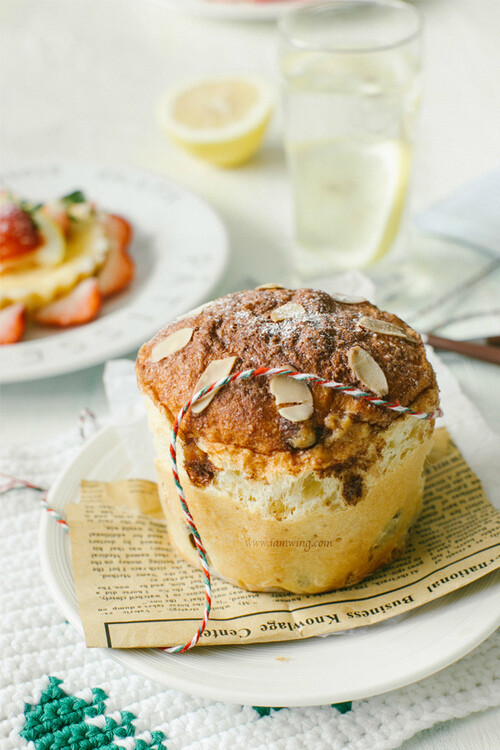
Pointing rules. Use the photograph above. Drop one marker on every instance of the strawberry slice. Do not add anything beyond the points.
(81, 305)
(18, 233)
(119, 268)
(12, 323)
(121, 229)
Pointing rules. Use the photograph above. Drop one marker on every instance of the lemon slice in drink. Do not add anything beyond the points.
(350, 195)
(221, 120)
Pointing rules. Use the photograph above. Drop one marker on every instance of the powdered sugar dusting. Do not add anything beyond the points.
(317, 341)
(287, 328)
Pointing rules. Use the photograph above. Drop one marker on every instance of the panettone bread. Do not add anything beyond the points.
(299, 488)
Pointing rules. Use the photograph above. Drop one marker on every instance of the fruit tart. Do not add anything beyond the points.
(58, 261)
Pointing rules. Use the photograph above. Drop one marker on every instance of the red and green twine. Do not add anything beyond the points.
(13, 483)
(236, 377)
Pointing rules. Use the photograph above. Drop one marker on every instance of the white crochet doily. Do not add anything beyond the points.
(36, 642)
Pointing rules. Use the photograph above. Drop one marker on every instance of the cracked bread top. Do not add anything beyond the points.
(310, 331)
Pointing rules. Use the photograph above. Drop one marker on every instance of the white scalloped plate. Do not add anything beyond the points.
(252, 10)
(317, 671)
(180, 247)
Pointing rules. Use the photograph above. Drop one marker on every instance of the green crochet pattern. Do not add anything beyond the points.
(343, 708)
(64, 722)
(61, 722)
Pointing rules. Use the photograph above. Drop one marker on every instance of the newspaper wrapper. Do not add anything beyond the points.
(134, 591)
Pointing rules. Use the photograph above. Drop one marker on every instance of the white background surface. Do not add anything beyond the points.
(79, 79)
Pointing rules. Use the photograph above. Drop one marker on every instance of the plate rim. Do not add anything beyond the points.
(134, 658)
(241, 11)
(20, 372)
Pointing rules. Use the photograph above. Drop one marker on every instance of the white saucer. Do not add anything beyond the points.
(317, 671)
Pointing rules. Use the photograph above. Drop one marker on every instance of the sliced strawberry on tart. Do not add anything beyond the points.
(79, 306)
(47, 251)
(12, 323)
(118, 269)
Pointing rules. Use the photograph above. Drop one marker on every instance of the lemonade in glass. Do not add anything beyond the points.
(351, 85)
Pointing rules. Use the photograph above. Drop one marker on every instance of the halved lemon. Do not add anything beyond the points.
(220, 119)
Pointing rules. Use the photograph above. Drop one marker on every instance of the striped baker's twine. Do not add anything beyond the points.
(245, 375)
(87, 425)
(12, 483)
(8, 483)
(59, 519)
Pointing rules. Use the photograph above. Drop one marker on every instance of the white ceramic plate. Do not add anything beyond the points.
(180, 247)
(316, 671)
(250, 10)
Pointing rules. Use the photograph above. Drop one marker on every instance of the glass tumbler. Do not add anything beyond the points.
(350, 73)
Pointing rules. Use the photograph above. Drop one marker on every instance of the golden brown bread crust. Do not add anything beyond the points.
(322, 551)
(243, 418)
(298, 533)
(315, 504)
